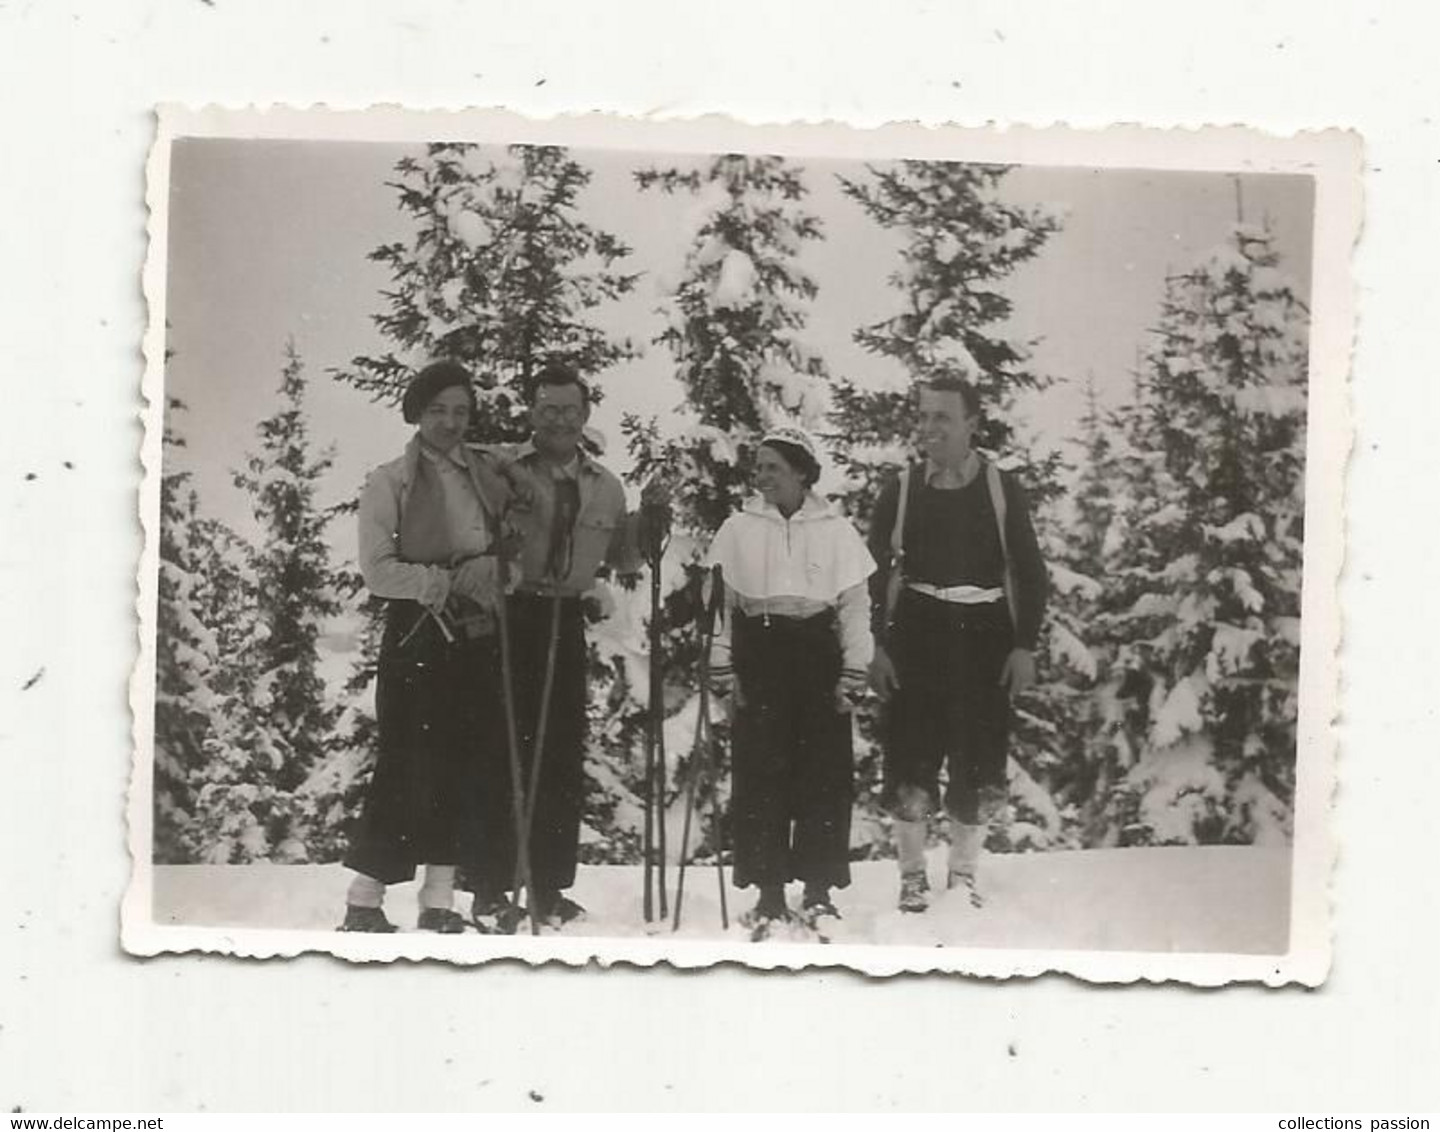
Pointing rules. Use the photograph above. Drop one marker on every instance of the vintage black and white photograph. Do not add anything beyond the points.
(902, 550)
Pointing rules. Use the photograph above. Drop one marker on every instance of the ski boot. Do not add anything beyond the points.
(554, 909)
(819, 914)
(769, 911)
(914, 892)
(494, 913)
(446, 921)
(358, 919)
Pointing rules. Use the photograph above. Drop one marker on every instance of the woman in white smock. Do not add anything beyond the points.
(793, 652)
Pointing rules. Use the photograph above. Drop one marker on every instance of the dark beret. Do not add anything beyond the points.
(426, 385)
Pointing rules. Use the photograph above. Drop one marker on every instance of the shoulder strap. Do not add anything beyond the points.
(997, 504)
(896, 579)
(897, 532)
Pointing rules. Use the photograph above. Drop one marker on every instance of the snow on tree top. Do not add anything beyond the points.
(736, 285)
(712, 251)
(471, 229)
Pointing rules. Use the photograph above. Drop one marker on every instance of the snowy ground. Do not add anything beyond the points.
(1214, 899)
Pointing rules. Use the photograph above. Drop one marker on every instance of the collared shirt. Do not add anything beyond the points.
(602, 535)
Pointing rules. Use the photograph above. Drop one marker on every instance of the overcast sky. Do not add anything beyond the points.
(268, 240)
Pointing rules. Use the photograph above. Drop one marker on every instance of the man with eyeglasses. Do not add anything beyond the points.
(570, 519)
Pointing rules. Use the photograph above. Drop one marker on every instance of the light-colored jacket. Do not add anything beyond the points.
(382, 503)
(796, 567)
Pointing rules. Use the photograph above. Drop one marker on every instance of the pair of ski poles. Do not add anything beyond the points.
(703, 753)
(704, 748)
(523, 796)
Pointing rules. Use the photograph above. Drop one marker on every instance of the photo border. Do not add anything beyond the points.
(1333, 158)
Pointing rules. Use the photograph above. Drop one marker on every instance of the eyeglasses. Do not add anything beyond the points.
(551, 414)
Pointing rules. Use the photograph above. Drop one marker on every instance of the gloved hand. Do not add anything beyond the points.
(726, 689)
(436, 590)
(1019, 671)
(850, 691)
(475, 578)
(656, 494)
(655, 517)
(882, 674)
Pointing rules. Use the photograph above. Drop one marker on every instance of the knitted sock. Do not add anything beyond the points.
(965, 844)
(365, 892)
(438, 891)
(910, 846)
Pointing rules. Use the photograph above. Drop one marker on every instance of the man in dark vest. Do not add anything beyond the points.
(958, 598)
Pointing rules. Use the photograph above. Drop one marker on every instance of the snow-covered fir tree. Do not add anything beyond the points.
(734, 318)
(960, 240)
(205, 627)
(274, 719)
(1206, 582)
(185, 653)
(295, 583)
(502, 274)
(337, 783)
(1073, 529)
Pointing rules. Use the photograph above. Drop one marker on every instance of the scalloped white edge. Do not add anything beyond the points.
(1334, 157)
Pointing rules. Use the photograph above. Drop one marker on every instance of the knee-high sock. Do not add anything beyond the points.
(438, 891)
(965, 844)
(910, 846)
(365, 892)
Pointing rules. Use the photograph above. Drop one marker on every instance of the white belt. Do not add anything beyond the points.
(959, 595)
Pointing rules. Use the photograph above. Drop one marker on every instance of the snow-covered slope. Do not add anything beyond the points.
(1211, 899)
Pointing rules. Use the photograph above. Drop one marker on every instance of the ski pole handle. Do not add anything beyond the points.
(654, 524)
(710, 613)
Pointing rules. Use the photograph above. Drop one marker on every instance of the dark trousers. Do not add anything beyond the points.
(437, 708)
(792, 754)
(560, 790)
(950, 707)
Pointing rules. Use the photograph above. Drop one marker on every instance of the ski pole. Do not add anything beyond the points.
(557, 568)
(661, 781)
(696, 767)
(656, 523)
(700, 759)
(537, 755)
(517, 787)
(718, 602)
(651, 730)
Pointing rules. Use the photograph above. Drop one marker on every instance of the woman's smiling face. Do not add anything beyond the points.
(779, 483)
(445, 419)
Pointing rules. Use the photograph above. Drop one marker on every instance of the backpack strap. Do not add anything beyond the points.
(997, 504)
(896, 581)
(897, 532)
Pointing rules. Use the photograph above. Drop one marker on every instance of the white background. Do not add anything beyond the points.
(82, 1027)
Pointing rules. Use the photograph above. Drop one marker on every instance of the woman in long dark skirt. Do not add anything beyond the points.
(794, 654)
(429, 525)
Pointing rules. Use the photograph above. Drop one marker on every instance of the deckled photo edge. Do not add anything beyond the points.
(1334, 159)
